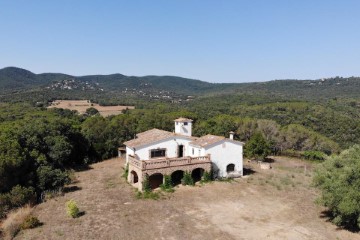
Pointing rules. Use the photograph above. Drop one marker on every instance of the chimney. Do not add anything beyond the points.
(231, 135)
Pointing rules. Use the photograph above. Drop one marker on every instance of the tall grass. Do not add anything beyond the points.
(12, 224)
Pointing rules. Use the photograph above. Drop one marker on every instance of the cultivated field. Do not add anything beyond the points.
(267, 204)
(82, 105)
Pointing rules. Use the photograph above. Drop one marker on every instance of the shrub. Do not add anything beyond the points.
(147, 195)
(72, 209)
(91, 111)
(19, 196)
(206, 177)
(187, 179)
(126, 171)
(338, 178)
(30, 222)
(12, 224)
(146, 184)
(314, 155)
(167, 185)
(50, 178)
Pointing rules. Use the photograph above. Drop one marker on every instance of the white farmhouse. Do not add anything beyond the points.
(155, 153)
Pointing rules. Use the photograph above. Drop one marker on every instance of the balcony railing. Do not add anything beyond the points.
(166, 162)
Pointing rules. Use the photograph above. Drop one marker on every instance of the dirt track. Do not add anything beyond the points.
(269, 204)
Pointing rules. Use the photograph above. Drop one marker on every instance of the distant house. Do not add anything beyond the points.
(155, 153)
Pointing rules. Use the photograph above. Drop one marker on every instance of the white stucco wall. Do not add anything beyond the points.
(129, 151)
(170, 144)
(197, 151)
(181, 128)
(224, 153)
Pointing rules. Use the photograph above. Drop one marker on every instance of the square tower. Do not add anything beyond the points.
(183, 126)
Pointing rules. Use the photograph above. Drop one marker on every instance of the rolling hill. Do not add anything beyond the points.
(17, 80)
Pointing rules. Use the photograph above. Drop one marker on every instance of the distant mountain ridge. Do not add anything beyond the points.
(17, 79)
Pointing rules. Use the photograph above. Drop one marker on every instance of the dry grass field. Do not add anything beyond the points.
(82, 105)
(267, 204)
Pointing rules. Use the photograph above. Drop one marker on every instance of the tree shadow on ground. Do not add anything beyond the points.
(69, 189)
(82, 168)
(81, 213)
(248, 171)
(328, 216)
(269, 160)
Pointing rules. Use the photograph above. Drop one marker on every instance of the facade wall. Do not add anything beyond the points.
(196, 151)
(223, 154)
(171, 146)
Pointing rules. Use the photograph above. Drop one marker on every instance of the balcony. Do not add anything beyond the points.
(167, 162)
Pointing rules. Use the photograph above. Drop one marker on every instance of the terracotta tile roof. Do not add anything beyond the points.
(207, 140)
(147, 137)
(181, 119)
(151, 136)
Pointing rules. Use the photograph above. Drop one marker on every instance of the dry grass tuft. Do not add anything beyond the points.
(12, 224)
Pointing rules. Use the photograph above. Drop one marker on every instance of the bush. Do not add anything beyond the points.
(167, 185)
(17, 197)
(12, 224)
(72, 209)
(126, 171)
(148, 195)
(146, 184)
(314, 155)
(338, 178)
(50, 178)
(187, 179)
(30, 222)
(257, 147)
(91, 111)
(206, 177)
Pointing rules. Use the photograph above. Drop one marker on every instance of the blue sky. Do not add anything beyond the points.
(215, 41)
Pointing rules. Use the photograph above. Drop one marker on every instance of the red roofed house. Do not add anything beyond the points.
(155, 153)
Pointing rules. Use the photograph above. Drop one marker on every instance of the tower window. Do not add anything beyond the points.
(185, 123)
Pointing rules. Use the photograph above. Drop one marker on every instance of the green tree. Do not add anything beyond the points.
(91, 111)
(338, 178)
(257, 147)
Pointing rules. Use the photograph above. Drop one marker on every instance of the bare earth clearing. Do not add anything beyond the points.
(268, 204)
(82, 105)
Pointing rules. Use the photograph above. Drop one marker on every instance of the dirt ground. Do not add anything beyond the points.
(82, 105)
(267, 204)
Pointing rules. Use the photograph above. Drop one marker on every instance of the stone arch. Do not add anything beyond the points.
(230, 168)
(197, 174)
(134, 177)
(155, 180)
(176, 177)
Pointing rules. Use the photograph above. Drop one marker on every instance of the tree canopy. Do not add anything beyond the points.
(257, 147)
(338, 178)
